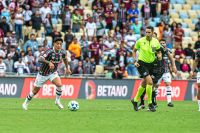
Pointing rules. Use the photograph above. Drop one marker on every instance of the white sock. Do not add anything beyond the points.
(169, 94)
(29, 97)
(199, 103)
(58, 93)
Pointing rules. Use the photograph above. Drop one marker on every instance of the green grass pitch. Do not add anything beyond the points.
(97, 116)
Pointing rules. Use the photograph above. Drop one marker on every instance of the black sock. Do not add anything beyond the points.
(154, 97)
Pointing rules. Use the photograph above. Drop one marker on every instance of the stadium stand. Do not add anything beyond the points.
(107, 16)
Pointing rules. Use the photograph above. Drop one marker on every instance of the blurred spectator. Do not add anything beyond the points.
(189, 53)
(165, 17)
(21, 67)
(44, 10)
(121, 55)
(68, 38)
(35, 5)
(75, 48)
(136, 27)
(100, 27)
(87, 66)
(73, 63)
(94, 49)
(30, 60)
(145, 10)
(56, 8)
(75, 2)
(197, 26)
(13, 52)
(117, 73)
(164, 6)
(131, 69)
(9, 63)
(79, 68)
(96, 4)
(66, 19)
(153, 8)
(121, 15)
(197, 43)
(130, 39)
(109, 16)
(178, 35)
(36, 21)
(118, 34)
(4, 26)
(76, 21)
(2, 67)
(19, 20)
(180, 52)
(27, 13)
(168, 36)
(174, 25)
(32, 43)
(90, 28)
(185, 67)
(143, 28)
(55, 33)
(84, 47)
(133, 13)
(48, 24)
(161, 30)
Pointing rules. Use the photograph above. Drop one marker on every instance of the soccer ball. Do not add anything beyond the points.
(73, 105)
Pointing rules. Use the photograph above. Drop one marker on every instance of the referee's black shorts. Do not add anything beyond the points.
(145, 69)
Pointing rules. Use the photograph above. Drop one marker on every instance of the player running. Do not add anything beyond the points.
(196, 66)
(48, 71)
(147, 47)
(167, 59)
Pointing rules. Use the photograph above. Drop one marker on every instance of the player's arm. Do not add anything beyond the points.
(194, 66)
(134, 56)
(64, 57)
(42, 59)
(172, 62)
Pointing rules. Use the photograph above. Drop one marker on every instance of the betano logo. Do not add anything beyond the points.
(93, 90)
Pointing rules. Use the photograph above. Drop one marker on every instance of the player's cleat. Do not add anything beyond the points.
(170, 104)
(135, 107)
(25, 106)
(151, 108)
(60, 106)
(141, 106)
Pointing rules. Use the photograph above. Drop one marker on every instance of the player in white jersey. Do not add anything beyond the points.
(166, 77)
(196, 66)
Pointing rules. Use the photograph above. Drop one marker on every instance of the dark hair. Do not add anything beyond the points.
(57, 39)
(162, 40)
(150, 27)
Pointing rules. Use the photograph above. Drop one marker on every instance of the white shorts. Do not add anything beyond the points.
(198, 77)
(40, 80)
(166, 77)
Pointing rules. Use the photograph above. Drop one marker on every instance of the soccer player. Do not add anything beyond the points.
(147, 47)
(196, 66)
(166, 76)
(48, 71)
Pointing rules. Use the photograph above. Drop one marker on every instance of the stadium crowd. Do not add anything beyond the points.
(98, 34)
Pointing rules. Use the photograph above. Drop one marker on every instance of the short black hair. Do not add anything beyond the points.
(58, 39)
(162, 40)
(150, 27)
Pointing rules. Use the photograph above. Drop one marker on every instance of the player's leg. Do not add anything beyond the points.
(198, 93)
(140, 91)
(55, 79)
(141, 105)
(149, 88)
(39, 81)
(167, 80)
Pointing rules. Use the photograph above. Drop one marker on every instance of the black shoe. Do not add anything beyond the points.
(135, 107)
(141, 106)
(155, 105)
(170, 104)
(151, 108)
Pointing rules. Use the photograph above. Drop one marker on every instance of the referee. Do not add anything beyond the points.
(147, 47)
